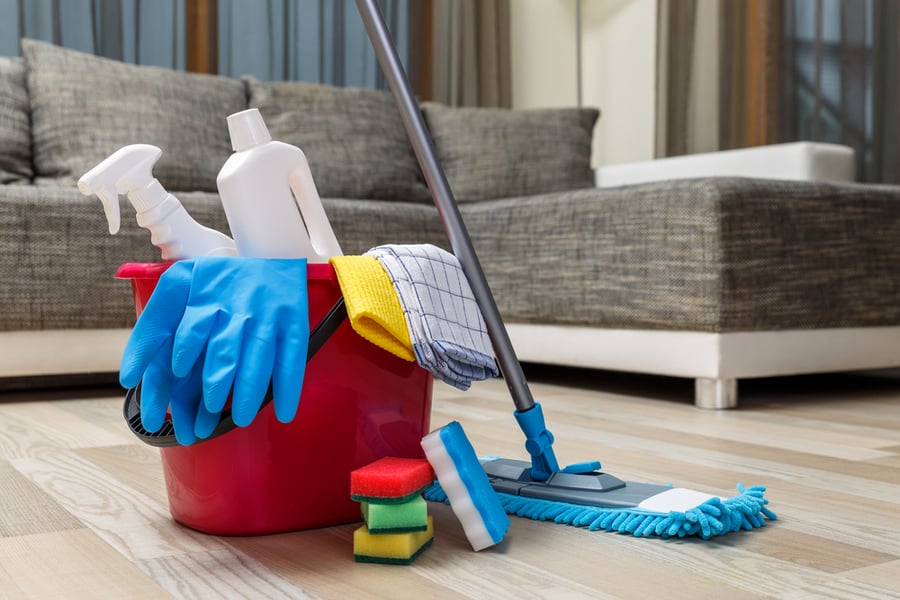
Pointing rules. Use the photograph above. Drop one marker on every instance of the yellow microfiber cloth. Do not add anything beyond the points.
(372, 304)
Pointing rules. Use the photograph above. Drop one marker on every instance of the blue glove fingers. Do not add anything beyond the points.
(289, 369)
(184, 404)
(156, 391)
(183, 417)
(157, 322)
(220, 363)
(206, 422)
(190, 339)
(255, 368)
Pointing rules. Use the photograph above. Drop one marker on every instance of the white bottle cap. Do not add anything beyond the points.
(247, 129)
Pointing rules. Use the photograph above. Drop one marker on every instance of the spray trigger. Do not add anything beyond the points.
(129, 171)
(110, 200)
(119, 173)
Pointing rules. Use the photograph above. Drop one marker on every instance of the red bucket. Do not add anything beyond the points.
(359, 403)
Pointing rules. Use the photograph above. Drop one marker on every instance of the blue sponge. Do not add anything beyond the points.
(471, 496)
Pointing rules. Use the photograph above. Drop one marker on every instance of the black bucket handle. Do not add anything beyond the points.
(165, 436)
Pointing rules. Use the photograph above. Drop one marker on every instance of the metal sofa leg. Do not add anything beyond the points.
(715, 394)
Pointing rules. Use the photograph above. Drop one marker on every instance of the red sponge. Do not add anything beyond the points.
(390, 480)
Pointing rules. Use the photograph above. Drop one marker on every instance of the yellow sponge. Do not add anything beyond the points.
(392, 548)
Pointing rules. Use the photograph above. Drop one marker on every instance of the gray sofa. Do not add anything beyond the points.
(715, 278)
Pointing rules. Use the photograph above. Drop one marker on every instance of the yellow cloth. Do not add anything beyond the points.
(372, 304)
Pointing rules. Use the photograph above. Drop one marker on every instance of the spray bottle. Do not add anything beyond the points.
(129, 170)
(262, 186)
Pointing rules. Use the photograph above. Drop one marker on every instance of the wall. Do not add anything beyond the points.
(618, 68)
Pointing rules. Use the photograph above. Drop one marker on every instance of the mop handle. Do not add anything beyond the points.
(445, 203)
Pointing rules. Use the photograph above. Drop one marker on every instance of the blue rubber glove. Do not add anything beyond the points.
(148, 357)
(247, 322)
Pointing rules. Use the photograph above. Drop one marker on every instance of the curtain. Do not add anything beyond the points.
(308, 40)
(780, 71)
(470, 52)
(146, 33)
(311, 40)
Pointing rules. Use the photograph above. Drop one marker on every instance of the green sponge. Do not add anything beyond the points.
(396, 518)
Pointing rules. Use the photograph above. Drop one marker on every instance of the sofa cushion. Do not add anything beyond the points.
(353, 138)
(86, 107)
(497, 153)
(715, 254)
(15, 128)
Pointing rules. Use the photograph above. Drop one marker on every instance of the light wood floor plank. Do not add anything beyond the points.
(69, 564)
(83, 500)
(218, 574)
(883, 575)
(42, 418)
(25, 509)
(135, 525)
(136, 465)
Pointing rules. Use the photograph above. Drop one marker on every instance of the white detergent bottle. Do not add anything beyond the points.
(270, 198)
(129, 170)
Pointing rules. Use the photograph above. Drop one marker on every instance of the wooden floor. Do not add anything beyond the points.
(83, 511)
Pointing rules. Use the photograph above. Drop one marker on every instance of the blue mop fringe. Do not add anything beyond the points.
(712, 518)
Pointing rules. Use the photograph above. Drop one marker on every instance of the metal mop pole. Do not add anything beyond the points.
(459, 238)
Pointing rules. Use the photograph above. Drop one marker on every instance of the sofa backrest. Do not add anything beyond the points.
(81, 108)
(85, 107)
(15, 132)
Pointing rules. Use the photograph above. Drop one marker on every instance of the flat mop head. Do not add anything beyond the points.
(598, 501)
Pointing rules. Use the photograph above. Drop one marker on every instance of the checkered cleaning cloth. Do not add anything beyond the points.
(445, 325)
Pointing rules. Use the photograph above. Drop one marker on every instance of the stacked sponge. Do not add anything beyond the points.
(397, 525)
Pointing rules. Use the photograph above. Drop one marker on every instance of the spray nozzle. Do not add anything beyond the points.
(126, 169)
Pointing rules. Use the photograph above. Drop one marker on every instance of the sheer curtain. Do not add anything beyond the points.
(739, 73)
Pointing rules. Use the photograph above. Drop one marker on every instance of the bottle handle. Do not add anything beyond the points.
(321, 236)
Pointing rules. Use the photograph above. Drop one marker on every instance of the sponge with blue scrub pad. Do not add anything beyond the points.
(468, 490)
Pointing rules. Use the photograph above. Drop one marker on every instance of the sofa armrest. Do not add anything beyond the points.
(811, 161)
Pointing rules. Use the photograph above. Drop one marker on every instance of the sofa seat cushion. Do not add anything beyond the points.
(59, 261)
(70, 284)
(353, 138)
(713, 255)
(498, 153)
(15, 127)
(84, 108)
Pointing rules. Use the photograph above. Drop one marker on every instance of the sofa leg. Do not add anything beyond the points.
(715, 394)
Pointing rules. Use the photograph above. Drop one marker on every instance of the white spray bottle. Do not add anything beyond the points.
(262, 186)
(129, 170)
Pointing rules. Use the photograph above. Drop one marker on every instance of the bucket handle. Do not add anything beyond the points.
(165, 436)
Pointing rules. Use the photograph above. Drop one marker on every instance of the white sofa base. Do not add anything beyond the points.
(61, 352)
(715, 360)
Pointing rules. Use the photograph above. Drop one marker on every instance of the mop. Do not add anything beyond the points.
(579, 495)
